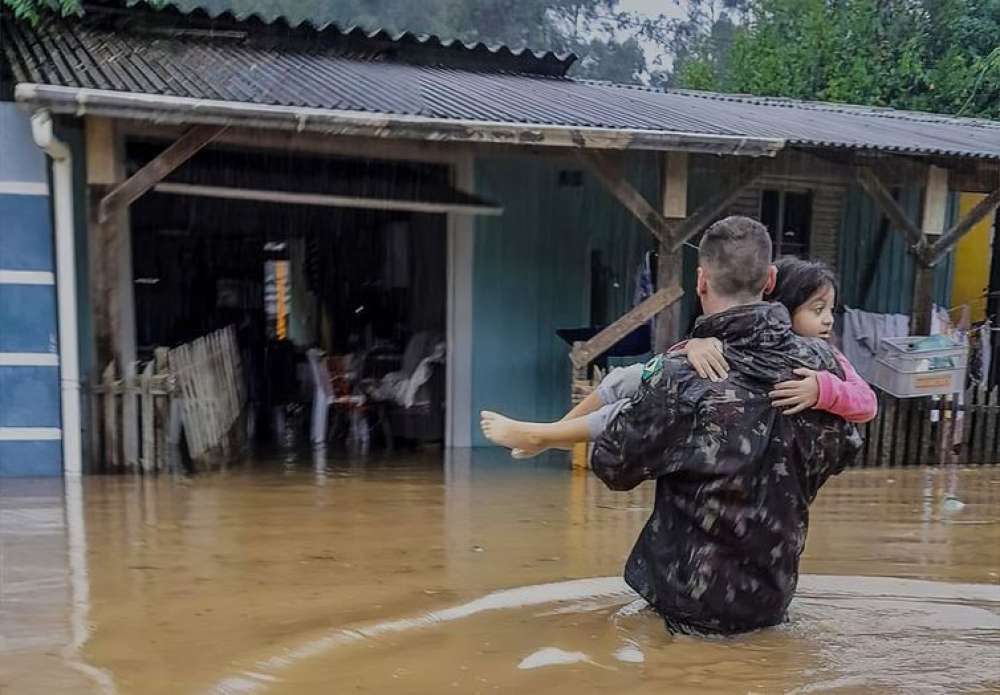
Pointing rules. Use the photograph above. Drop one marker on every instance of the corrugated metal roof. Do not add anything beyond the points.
(222, 18)
(308, 69)
(281, 15)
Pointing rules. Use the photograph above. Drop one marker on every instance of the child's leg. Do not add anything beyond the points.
(620, 384)
(531, 438)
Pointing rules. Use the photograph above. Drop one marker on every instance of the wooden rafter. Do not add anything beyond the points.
(584, 354)
(873, 186)
(134, 187)
(714, 206)
(942, 246)
(670, 233)
(926, 254)
(611, 172)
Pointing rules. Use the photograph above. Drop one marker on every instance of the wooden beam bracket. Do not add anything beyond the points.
(584, 354)
(716, 205)
(947, 241)
(134, 187)
(610, 171)
(873, 186)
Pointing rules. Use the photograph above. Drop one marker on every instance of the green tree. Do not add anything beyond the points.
(931, 55)
(31, 10)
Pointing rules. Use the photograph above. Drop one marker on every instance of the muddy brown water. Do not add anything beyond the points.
(469, 573)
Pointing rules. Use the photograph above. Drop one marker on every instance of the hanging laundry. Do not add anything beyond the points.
(863, 330)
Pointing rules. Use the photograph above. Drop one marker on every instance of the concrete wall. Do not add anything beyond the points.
(30, 436)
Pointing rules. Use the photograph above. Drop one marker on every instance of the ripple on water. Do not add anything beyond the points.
(845, 634)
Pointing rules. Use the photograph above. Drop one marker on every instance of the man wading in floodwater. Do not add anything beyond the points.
(734, 477)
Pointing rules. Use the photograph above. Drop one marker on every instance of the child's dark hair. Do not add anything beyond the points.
(798, 280)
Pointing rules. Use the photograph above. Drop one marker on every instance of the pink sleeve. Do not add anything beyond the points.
(850, 398)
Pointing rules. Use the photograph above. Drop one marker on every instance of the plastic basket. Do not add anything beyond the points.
(920, 366)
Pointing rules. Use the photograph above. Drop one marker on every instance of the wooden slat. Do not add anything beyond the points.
(885, 455)
(967, 417)
(924, 433)
(148, 433)
(209, 378)
(642, 312)
(989, 449)
(110, 418)
(161, 409)
(133, 188)
(975, 425)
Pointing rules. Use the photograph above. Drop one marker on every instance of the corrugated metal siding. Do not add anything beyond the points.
(532, 276)
(891, 289)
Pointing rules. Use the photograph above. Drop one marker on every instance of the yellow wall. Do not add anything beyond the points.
(972, 260)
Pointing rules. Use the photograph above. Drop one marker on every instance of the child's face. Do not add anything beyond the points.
(814, 319)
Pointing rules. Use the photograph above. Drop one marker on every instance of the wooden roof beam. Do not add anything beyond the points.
(611, 172)
(584, 354)
(873, 186)
(694, 223)
(157, 169)
(947, 241)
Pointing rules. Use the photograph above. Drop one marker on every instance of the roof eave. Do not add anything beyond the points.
(175, 110)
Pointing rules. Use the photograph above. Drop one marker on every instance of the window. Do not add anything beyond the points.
(787, 216)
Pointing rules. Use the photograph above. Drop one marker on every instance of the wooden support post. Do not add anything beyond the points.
(100, 176)
(951, 237)
(932, 224)
(935, 211)
(716, 205)
(669, 264)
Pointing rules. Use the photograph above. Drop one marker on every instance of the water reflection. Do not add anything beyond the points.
(162, 584)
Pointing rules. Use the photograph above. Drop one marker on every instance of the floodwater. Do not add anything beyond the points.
(474, 574)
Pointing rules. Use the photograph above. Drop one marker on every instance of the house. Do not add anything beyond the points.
(165, 172)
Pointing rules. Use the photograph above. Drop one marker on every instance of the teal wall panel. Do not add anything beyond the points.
(532, 277)
(865, 243)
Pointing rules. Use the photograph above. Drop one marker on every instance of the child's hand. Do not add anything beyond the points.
(705, 355)
(797, 395)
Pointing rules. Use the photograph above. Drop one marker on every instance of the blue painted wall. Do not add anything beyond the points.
(29, 394)
(531, 276)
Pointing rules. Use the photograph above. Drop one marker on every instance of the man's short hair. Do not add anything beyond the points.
(736, 252)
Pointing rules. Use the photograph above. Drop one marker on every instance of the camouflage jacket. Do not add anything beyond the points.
(734, 477)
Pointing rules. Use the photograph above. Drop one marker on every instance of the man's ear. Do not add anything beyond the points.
(701, 287)
(772, 279)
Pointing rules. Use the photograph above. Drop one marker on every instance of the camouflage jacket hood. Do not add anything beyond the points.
(734, 478)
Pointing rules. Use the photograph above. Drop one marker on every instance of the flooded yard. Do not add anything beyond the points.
(466, 572)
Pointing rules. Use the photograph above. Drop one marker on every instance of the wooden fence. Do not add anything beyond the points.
(210, 390)
(196, 388)
(959, 429)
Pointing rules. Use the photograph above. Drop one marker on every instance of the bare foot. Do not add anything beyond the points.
(512, 434)
(520, 454)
